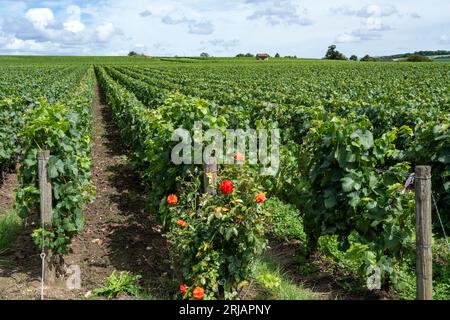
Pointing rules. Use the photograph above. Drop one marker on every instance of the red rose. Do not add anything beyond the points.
(172, 199)
(198, 293)
(183, 289)
(260, 197)
(227, 186)
(182, 223)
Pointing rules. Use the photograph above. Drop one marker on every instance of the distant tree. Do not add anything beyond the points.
(204, 55)
(333, 54)
(277, 55)
(136, 54)
(418, 58)
(368, 58)
(247, 55)
(354, 58)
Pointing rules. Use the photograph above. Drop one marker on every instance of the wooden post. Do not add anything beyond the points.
(210, 178)
(423, 233)
(45, 189)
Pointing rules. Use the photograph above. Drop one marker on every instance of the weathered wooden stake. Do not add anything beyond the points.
(210, 178)
(45, 189)
(423, 233)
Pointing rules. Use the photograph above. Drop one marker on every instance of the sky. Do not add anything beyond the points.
(304, 28)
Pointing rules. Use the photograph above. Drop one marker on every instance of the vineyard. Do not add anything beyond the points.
(351, 135)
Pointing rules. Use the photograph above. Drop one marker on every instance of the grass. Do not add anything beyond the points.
(123, 283)
(276, 285)
(10, 227)
(287, 223)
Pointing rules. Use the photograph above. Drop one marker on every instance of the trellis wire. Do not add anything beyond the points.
(440, 220)
(42, 255)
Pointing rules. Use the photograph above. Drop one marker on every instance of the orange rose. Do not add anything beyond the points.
(260, 197)
(172, 199)
(198, 293)
(182, 223)
(183, 289)
(239, 157)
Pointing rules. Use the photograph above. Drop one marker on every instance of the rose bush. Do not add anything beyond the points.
(216, 238)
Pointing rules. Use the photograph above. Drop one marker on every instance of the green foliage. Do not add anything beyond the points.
(431, 146)
(10, 227)
(124, 283)
(269, 280)
(12, 122)
(286, 220)
(368, 58)
(224, 233)
(276, 284)
(65, 130)
(333, 54)
(218, 248)
(20, 87)
(418, 58)
(358, 137)
(355, 185)
(249, 55)
(149, 132)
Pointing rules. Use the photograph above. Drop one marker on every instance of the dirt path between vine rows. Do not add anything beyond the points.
(7, 186)
(119, 234)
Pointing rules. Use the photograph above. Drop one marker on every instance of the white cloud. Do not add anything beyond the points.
(279, 12)
(15, 44)
(223, 43)
(181, 27)
(202, 28)
(372, 15)
(41, 18)
(372, 10)
(73, 23)
(105, 31)
(377, 11)
(74, 12)
(11, 44)
(145, 13)
(347, 38)
(74, 26)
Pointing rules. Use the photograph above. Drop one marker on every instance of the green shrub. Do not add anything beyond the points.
(10, 226)
(418, 58)
(286, 221)
(216, 237)
(124, 283)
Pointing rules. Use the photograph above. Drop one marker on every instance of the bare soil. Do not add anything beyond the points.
(8, 183)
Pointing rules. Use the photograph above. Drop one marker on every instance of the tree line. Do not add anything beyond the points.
(333, 54)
